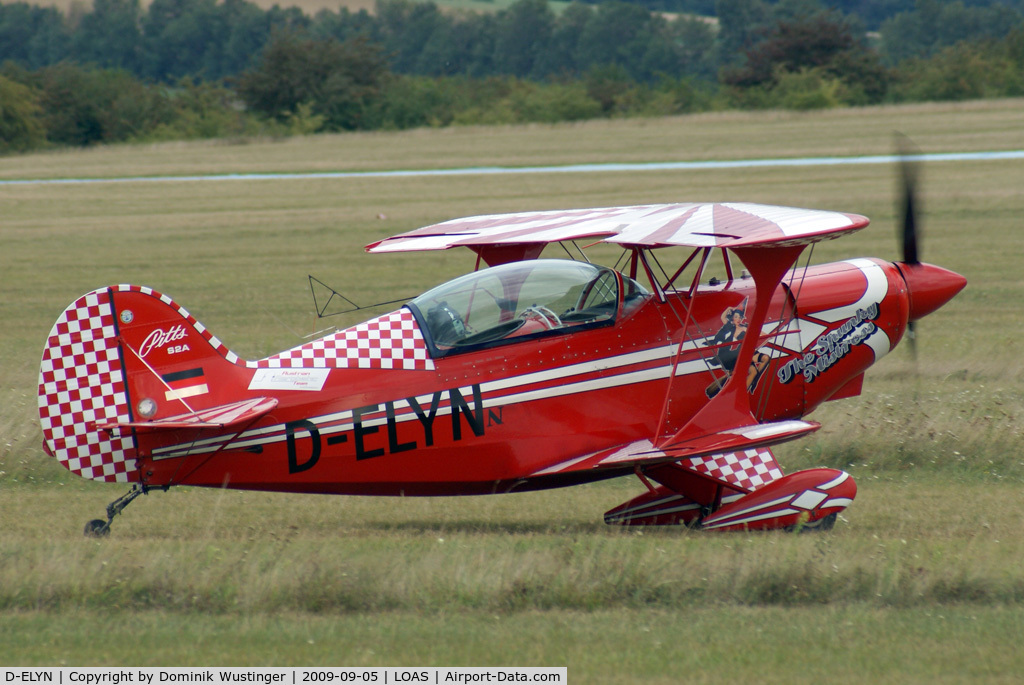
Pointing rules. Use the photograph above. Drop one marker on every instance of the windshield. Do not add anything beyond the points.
(519, 299)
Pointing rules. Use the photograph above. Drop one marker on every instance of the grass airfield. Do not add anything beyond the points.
(922, 580)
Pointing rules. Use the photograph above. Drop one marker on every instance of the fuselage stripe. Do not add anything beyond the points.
(338, 422)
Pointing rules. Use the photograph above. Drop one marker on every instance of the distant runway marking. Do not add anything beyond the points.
(565, 169)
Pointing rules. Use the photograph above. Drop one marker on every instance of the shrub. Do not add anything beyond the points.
(341, 82)
(84, 106)
(20, 127)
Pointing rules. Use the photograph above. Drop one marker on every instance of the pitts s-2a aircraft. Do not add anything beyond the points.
(530, 374)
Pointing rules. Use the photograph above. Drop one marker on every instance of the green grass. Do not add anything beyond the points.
(193, 551)
(707, 645)
(921, 581)
(199, 577)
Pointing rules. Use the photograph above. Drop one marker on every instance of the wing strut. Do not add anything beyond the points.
(682, 342)
(731, 408)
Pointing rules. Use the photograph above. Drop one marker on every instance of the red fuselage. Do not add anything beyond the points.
(495, 419)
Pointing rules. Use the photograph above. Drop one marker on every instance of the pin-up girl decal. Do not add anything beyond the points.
(727, 350)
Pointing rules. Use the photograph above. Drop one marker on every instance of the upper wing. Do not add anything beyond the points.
(725, 225)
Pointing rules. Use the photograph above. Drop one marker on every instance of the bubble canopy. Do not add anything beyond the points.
(522, 299)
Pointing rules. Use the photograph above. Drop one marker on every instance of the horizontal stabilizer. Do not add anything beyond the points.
(214, 418)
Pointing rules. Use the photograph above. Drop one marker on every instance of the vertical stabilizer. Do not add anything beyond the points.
(123, 363)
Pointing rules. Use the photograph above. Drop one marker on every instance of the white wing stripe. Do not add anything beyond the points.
(695, 225)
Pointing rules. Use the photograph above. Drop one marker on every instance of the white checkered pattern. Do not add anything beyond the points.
(81, 384)
(392, 341)
(749, 470)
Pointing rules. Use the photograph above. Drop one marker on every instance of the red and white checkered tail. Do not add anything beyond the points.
(123, 354)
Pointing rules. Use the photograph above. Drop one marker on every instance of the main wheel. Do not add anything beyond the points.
(822, 524)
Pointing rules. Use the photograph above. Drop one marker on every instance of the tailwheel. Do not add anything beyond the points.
(98, 528)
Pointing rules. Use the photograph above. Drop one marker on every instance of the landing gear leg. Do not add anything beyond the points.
(98, 528)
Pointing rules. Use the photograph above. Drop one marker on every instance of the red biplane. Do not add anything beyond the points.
(532, 373)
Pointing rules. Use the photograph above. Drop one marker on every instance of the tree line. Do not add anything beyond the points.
(202, 68)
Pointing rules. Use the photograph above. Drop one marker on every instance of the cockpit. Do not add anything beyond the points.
(522, 299)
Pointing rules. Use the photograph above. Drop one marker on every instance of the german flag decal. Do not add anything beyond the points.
(187, 383)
